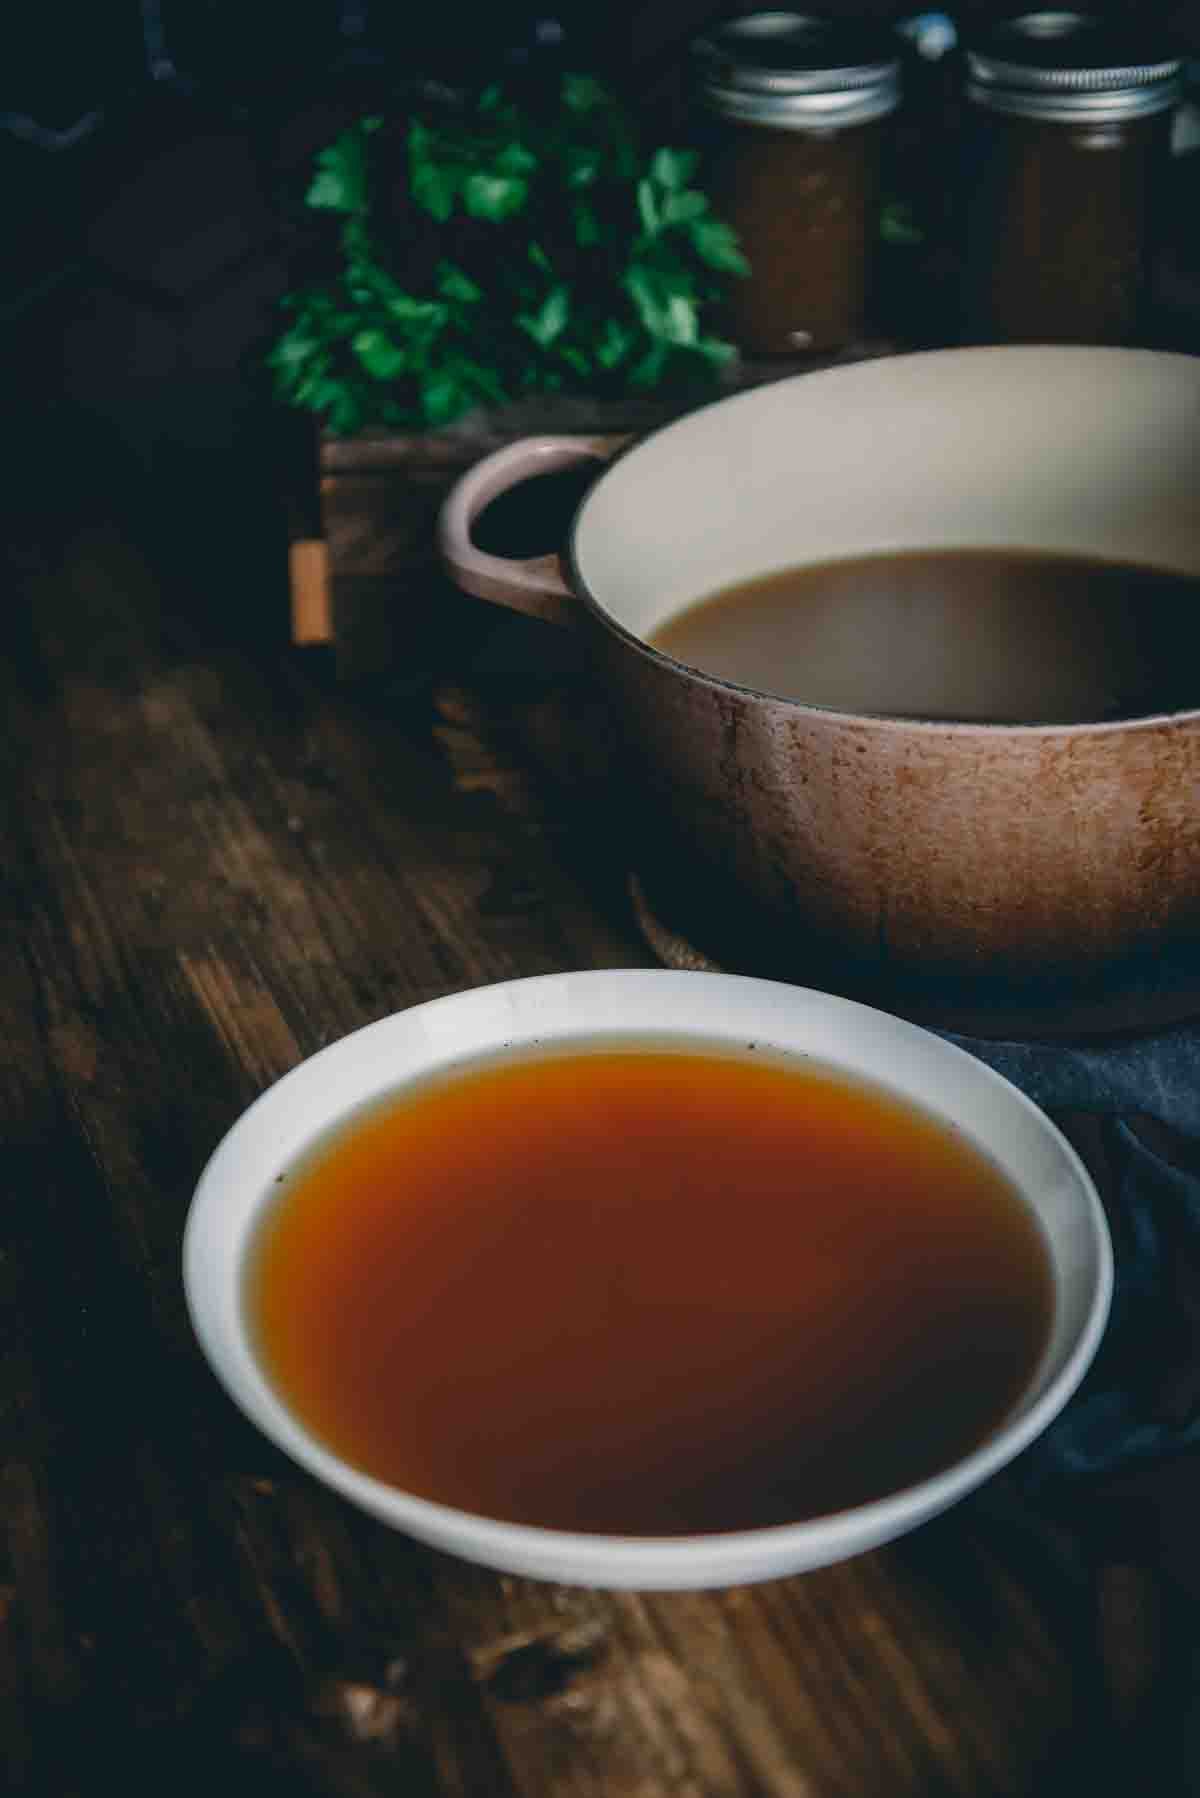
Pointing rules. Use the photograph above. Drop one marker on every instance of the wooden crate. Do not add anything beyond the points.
(371, 584)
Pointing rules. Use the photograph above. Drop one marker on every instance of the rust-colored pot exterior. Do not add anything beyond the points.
(993, 877)
(1043, 879)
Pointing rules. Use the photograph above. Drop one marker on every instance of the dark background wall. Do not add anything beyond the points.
(153, 159)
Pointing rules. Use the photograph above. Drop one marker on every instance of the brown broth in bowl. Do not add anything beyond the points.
(1005, 636)
(651, 1289)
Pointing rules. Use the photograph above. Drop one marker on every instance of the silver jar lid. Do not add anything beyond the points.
(797, 71)
(1073, 68)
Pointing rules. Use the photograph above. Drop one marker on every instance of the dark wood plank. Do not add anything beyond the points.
(208, 903)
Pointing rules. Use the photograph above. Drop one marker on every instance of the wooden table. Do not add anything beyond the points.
(214, 861)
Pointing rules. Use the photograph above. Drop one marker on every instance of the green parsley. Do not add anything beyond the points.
(555, 254)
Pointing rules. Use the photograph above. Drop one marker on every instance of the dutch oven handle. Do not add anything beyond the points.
(535, 585)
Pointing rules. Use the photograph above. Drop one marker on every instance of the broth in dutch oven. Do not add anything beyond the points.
(1004, 636)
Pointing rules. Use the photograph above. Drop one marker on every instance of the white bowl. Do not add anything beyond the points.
(560, 1008)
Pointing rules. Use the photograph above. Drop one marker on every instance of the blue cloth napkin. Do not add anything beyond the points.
(1140, 1402)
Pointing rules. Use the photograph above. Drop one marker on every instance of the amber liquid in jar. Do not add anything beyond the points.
(1060, 228)
(796, 104)
(804, 205)
(1070, 128)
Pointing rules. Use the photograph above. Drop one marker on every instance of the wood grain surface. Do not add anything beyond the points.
(213, 860)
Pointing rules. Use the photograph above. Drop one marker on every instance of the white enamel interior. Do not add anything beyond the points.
(240, 1179)
(1091, 451)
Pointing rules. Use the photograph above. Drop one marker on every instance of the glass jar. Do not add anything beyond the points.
(797, 105)
(1068, 129)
